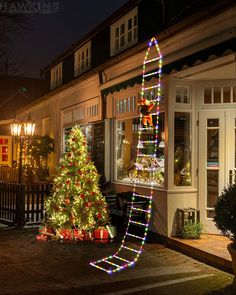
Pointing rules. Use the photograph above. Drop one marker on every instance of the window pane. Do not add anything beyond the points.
(122, 41)
(185, 95)
(128, 104)
(213, 147)
(135, 35)
(121, 106)
(117, 44)
(212, 122)
(234, 94)
(217, 95)
(207, 95)
(135, 20)
(212, 187)
(129, 167)
(226, 94)
(124, 106)
(129, 36)
(122, 29)
(182, 150)
(117, 32)
(178, 95)
(117, 107)
(130, 24)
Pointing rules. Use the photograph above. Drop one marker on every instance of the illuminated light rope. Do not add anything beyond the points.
(110, 264)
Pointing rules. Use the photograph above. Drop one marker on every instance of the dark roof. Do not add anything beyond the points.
(217, 50)
(175, 12)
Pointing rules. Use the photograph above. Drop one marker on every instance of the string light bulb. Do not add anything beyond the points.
(111, 264)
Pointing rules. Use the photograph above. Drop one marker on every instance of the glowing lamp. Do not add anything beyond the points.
(29, 127)
(15, 128)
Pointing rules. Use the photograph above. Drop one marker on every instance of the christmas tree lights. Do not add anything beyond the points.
(76, 204)
(128, 253)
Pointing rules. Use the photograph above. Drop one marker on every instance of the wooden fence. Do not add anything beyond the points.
(22, 204)
(8, 174)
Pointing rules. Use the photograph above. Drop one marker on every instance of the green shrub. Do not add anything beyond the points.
(225, 212)
(191, 230)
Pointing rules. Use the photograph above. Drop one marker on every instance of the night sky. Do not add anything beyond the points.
(50, 34)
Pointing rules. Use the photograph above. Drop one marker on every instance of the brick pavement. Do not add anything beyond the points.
(28, 267)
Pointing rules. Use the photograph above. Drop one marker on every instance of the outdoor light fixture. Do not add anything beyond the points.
(29, 127)
(16, 128)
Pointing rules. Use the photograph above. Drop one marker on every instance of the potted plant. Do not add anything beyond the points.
(225, 219)
(191, 230)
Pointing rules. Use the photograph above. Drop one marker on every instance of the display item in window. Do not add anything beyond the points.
(145, 109)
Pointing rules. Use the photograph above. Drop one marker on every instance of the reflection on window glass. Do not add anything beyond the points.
(212, 191)
(129, 167)
(182, 150)
(213, 147)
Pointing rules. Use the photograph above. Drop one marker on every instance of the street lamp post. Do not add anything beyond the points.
(16, 131)
(28, 130)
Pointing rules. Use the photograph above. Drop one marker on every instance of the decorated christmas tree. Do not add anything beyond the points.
(76, 204)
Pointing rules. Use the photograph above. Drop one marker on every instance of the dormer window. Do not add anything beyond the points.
(56, 76)
(82, 59)
(124, 32)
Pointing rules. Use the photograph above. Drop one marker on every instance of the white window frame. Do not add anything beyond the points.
(183, 92)
(120, 31)
(56, 76)
(82, 59)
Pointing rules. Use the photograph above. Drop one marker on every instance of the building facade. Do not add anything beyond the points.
(97, 84)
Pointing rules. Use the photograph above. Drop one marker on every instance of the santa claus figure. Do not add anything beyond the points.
(145, 109)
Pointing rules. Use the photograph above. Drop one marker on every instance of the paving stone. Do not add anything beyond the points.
(29, 267)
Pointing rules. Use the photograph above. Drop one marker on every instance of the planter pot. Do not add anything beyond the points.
(232, 251)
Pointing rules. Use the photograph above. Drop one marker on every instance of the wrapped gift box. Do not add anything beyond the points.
(101, 234)
(111, 231)
(78, 234)
(41, 237)
(88, 236)
(65, 234)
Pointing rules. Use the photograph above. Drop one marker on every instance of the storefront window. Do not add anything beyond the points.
(182, 149)
(126, 160)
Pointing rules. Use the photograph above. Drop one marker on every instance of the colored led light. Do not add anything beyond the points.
(152, 170)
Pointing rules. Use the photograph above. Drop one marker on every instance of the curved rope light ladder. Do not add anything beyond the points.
(139, 217)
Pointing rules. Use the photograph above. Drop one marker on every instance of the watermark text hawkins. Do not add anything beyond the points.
(28, 7)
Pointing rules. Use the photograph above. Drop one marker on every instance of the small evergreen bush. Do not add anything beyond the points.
(191, 230)
(225, 212)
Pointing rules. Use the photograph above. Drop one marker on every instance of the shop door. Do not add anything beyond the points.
(217, 157)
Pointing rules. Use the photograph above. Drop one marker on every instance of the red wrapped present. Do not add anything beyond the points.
(88, 236)
(78, 234)
(65, 234)
(41, 237)
(101, 234)
(47, 231)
